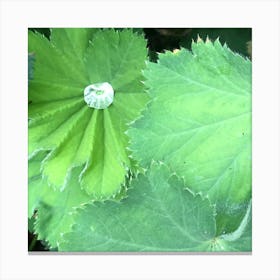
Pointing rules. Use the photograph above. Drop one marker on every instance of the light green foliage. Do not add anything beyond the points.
(191, 148)
(159, 215)
(199, 124)
(60, 121)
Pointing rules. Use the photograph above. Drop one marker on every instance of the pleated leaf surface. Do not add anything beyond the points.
(61, 123)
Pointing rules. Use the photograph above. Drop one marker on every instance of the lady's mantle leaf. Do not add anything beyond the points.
(159, 215)
(61, 122)
(53, 208)
(200, 124)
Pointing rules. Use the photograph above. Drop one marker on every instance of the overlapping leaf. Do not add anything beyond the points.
(53, 208)
(158, 215)
(63, 125)
(199, 123)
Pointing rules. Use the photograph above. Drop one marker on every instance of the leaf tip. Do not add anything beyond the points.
(199, 39)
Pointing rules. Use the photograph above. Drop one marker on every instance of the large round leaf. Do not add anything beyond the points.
(199, 123)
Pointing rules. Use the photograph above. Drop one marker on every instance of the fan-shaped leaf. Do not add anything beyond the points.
(62, 123)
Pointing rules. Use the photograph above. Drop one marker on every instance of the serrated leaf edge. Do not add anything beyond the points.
(78, 210)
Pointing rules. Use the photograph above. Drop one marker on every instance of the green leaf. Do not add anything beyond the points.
(158, 215)
(62, 124)
(199, 123)
(53, 208)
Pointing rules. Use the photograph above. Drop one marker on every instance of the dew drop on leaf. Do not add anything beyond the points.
(99, 95)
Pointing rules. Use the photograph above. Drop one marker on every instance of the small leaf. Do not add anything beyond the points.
(159, 215)
(200, 124)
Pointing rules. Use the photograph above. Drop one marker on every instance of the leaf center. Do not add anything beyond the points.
(99, 95)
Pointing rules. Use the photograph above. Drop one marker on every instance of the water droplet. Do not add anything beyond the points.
(99, 95)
